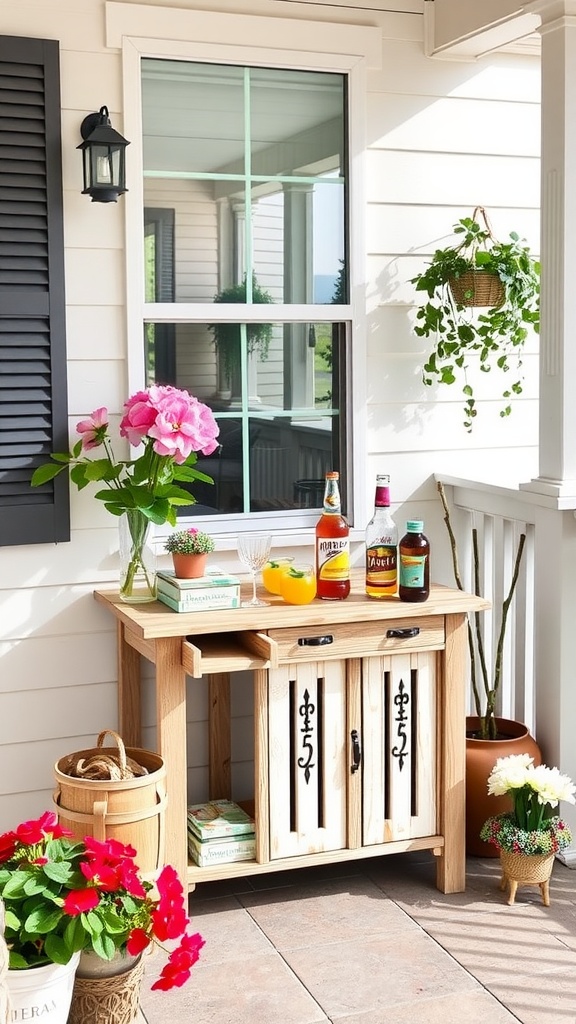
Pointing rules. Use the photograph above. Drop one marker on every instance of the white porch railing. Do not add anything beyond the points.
(500, 516)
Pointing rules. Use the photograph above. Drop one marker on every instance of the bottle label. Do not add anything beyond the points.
(412, 570)
(381, 567)
(333, 558)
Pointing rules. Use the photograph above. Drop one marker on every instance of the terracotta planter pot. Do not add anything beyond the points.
(481, 757)
(189, 567)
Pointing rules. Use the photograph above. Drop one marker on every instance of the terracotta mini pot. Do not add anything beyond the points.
(189, 567)
(481, 756)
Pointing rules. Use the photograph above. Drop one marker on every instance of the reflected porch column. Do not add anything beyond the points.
(298, 287)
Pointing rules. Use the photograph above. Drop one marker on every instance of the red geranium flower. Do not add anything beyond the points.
(80, 901)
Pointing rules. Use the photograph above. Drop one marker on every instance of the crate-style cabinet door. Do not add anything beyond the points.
(307, 758)
(399, 775)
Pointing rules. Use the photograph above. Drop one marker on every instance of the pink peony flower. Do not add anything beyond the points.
(139, 416)
(93, 430)
(183, 425)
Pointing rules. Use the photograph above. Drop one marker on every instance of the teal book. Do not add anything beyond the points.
(214, 577)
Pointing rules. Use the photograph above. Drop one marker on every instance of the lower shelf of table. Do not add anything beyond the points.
(239, 869)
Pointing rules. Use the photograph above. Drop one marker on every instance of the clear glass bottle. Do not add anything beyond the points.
(414, 559)
(332, 546)
(382, 545)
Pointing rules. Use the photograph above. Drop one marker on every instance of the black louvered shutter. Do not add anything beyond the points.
(33, 411)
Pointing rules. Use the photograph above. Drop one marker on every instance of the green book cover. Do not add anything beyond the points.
(221, 851)
(205, 601)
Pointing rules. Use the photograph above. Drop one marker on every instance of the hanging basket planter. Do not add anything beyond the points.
(476, 271)
(478, 288)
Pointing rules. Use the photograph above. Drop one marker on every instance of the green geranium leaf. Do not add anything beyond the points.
(43, 919)
(57, 950)
(104, 946)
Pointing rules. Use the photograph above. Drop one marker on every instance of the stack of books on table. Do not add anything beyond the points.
(216, 589)
(220, 831)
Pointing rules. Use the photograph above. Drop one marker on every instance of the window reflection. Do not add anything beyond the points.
(250, 161)
(277, 408)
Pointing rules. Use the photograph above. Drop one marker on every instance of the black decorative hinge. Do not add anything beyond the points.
(401, 699)
(306, 710)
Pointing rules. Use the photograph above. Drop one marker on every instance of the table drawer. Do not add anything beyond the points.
(353, 640)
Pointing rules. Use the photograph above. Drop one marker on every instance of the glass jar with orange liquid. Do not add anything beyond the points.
(298, 584)
(273, 572)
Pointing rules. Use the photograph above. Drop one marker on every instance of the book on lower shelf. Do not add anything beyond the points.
(221, 851)
(219, 819)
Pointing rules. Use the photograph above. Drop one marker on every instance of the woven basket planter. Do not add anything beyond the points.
(113, 999)
(523, 869)
(478, 288)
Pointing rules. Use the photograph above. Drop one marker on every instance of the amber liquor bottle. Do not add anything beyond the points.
(332, 546)
(382, 545)
(414, 558)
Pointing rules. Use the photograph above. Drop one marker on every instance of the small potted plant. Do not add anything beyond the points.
(189, 549)
(478, 271)
(529, 836)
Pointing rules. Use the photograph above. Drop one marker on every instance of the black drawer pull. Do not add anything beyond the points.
(356, 751)
(403, 634)
(315, 641)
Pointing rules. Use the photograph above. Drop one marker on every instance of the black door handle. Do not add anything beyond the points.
(356, 751)
(403, 634)
(315, 641)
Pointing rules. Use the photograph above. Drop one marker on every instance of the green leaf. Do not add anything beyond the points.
(58, 871)
(16, 961)
(43, 919)
(15, 886)
(45, 473)
(57, 950)
(11, 920)
(75, 934)
(104, 946)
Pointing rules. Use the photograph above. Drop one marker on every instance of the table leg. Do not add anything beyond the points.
(171, 745)
(219, 778)
(451, 864)
(129, 698)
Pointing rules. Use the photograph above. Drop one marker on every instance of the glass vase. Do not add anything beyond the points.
(137, 559)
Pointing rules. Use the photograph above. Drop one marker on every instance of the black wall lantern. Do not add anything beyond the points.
(104, 158)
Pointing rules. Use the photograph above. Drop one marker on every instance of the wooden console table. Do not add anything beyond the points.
(359, 723)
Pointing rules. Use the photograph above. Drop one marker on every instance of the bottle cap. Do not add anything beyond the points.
(415, 525)
(333, 475)
(382, 480)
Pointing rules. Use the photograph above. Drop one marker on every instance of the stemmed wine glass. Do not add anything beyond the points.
(254, 552)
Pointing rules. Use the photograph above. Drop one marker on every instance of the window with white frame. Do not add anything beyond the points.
(245, 209)
(249, 132)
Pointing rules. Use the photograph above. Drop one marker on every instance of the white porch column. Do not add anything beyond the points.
(557, 465)
(555, 561)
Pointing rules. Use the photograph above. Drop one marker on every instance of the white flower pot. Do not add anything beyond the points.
(42, 993)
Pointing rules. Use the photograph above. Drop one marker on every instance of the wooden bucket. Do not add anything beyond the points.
(129, 809)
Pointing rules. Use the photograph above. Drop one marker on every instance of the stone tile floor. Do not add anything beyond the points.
(374, 942)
